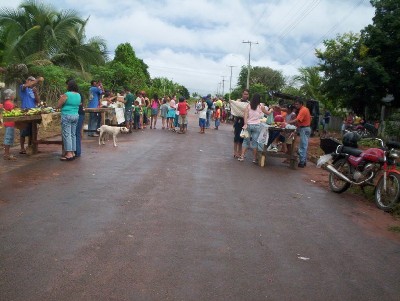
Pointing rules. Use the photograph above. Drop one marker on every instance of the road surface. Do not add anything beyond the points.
(174, 217)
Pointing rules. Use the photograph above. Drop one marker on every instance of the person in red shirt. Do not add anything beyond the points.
(182, 108)
(8, 105)
(303, 121)
(217, 116)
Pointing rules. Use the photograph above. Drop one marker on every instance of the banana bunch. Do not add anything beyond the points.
(34, 111)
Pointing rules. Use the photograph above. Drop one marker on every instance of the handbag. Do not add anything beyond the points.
(244, 134)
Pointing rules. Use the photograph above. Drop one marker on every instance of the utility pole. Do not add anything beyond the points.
(223, 86)
(248, 66)
(230, 83)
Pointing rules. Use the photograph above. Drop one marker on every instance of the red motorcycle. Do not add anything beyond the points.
(374, 167)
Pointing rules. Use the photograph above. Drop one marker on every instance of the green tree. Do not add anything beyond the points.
(344, 81)
(269, 78)
(382, 49)
(35, 31)
(125, 55)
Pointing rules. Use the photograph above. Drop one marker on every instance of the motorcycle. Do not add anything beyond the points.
(348, 165)
(365, 130)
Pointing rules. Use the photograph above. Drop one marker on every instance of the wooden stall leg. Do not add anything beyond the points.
(34, 141)
(292, 159)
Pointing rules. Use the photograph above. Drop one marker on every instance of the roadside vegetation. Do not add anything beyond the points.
(355, 71)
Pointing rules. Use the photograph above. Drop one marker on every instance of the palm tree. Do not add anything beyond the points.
(37, 34)
(310, 81)
(75, 53)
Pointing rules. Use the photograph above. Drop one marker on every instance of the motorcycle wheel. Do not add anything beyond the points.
(336, 184)
(386, 200)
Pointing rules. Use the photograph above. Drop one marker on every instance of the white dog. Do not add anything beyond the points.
(113, 130)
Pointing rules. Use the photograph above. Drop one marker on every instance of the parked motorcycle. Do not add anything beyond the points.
(364, 129)
(348, 165)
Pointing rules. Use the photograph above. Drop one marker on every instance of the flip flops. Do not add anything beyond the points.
(67, 158)
(22, 152)
(9, 158)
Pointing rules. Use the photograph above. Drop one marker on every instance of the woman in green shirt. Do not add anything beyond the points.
(69, 105)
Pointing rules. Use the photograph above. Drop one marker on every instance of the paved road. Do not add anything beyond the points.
(174, 217)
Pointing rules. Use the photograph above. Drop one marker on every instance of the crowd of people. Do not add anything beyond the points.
(141, 112)
(296, 114)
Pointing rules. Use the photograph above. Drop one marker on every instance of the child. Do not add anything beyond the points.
(202, 116)
(217, 116)
(171, 114)
(9, 96)
(164, 112)
(136, 115)
(182, 109)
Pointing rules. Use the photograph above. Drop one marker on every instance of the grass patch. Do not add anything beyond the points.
(395, 229)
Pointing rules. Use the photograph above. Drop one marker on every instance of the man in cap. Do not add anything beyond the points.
(29, 99)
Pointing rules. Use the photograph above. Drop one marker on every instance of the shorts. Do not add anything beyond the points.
(237, 128)
(154, 112)
(26, 132)
(128, 115)
(202, 122)
(182, 119)
(9, 136)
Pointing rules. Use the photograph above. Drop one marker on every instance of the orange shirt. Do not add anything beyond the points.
(218, 113)
(304, 117)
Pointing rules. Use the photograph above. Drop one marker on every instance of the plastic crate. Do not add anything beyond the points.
(329, 145)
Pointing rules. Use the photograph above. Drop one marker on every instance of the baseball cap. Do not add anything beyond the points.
(31, 78)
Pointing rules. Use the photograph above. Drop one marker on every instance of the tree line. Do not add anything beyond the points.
(38, 39)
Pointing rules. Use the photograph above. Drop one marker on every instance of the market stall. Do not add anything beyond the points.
(102, 112)
(35, 119)
(289, 134)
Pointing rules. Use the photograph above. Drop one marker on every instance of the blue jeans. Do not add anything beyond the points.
(68, 130)
(208, 116)
(176, 120)
(305, 133)
(78, 135)
(94, 121)
(254, 132)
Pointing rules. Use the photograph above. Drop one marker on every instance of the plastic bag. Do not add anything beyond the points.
(270, 118)
(244, 134)
(323, 160)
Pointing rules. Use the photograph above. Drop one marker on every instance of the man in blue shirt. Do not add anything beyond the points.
(209, 110)
(94, 102)
(29, 99)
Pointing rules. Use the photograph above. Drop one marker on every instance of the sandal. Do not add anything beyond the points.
(255, 161)
(22, 152)
(9, 158)
(241, 158)
(67, 158)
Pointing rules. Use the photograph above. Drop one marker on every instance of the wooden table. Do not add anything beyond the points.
(34, 120)
(291, 156)
(102, 112)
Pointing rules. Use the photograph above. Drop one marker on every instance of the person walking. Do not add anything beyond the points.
(69, 105)
(29, 99)
(251, 123)
(303, 120)
(237, 128)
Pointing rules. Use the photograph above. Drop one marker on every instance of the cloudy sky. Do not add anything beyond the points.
(194, 42)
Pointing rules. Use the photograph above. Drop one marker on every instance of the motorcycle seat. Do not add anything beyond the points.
(351, 151)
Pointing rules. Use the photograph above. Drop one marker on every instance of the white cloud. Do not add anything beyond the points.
(194, 42)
